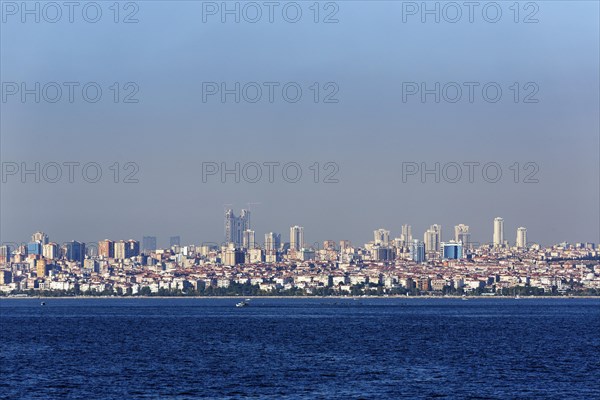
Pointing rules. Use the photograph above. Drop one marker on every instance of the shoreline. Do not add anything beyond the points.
(299, 297)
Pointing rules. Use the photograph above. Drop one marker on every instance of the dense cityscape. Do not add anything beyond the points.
(240, 266)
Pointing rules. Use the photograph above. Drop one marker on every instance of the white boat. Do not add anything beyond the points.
(242, 304)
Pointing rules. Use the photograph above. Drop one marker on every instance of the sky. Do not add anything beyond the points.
(168, 122)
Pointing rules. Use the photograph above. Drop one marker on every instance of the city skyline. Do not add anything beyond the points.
(239, 228)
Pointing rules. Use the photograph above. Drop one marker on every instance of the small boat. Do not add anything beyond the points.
(242, 304)
(464, 298)
(43, 303)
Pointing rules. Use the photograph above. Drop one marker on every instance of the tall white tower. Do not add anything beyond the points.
(521, 237)
(498, 232)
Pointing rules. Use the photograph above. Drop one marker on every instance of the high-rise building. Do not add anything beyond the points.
(132, 248)
(433, 238)
(126, 249)
(34, 248)
(344, 245)
(148, 244)
(119, 249)
(329, 245)
(39, 237)
(106, 249)
(406, 236)
(296, 237)
(50, 251)
(248, 239)
(41, 268)
(233, 256)
(75, 251)
(5, 277)
(462, 235)
(417, 251)
(452, 250)
(5, 253)
(382, 237)
(174, 241)
(522, 237)
(498, 239)
(272, 241)
(235, 226)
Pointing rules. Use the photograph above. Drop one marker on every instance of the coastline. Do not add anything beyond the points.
(301, 297)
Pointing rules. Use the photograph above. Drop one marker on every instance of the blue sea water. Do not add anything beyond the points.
(300, 348)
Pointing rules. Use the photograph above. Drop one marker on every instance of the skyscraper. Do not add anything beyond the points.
(132, 248)
(382, 237)
(39, 237)
(344, 245)
(296, 237)
(498, 232)
(248, 239)
(126, 249)
(119, 249)
(329, 245)
(521, 238)
(34, 248)
(50, 251)
(5, 253)
(75, 251)
(235, 226)
(272, 241)
(106, 249)
(406, 235)
(174, 241)
(148, 243)
(433, 238)
(417, 251)
(462, 235)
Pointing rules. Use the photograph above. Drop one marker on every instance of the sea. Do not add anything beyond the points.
(299, 348)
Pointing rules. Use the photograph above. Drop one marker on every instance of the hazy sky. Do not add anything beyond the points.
(369, 59)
